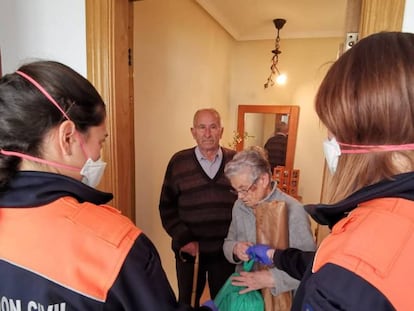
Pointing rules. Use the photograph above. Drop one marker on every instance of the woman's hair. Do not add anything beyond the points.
(26, 115)
(253, 159)
(367, 98)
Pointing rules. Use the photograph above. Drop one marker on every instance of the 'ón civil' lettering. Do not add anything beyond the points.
(8, 304)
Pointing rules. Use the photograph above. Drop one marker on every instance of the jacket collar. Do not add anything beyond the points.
(33, 188)
(400, 186)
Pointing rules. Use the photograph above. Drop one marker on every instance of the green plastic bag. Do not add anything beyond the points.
(229, 299)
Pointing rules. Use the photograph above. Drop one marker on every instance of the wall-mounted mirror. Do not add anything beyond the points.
(260, 124)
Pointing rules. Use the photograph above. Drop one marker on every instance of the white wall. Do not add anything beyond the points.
(408, 24)
(43, 29)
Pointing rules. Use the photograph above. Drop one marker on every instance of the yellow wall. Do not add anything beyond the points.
(183, 61)
(181, 64)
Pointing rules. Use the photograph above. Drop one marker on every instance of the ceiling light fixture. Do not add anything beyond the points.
(275, 75)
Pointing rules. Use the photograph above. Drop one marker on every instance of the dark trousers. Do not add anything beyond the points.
(213, 267)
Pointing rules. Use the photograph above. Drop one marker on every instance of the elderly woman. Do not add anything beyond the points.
(250, 175)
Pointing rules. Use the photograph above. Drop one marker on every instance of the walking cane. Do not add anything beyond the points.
(195, 279)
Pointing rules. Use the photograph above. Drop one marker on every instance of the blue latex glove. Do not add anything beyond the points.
(258, 253)
(210, 304)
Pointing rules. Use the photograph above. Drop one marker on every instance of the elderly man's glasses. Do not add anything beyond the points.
(245, 191)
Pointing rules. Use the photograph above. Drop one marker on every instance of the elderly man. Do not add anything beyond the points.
(195, 207)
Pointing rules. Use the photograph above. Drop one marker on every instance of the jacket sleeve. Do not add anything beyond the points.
(334, 288)
(293, 261)
(142, 283)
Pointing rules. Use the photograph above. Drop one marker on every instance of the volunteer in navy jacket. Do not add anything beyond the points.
(366, 101)
(61, 247)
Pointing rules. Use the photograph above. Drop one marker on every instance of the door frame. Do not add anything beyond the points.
(109, 45)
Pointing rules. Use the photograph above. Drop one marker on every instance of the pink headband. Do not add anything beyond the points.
(31, 158)
(43, 91)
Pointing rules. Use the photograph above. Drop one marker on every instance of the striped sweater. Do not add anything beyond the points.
(194, 207)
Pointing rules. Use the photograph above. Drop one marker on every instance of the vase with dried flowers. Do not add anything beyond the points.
(237, 138)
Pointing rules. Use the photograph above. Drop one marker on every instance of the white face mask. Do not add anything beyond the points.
(332, 152)
(92, 172)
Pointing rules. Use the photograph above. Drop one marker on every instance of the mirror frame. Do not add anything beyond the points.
(292, 111)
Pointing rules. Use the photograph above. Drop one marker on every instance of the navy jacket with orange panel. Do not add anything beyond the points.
(366, 262)
(61, 249)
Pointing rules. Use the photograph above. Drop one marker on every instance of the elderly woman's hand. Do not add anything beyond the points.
(253, 280)
(240, 249)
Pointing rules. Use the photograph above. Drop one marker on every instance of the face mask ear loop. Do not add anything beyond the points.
(38, 160)
(355, 149)
(53, 101)
(49, 97)
(82, 144)
(43, 91)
